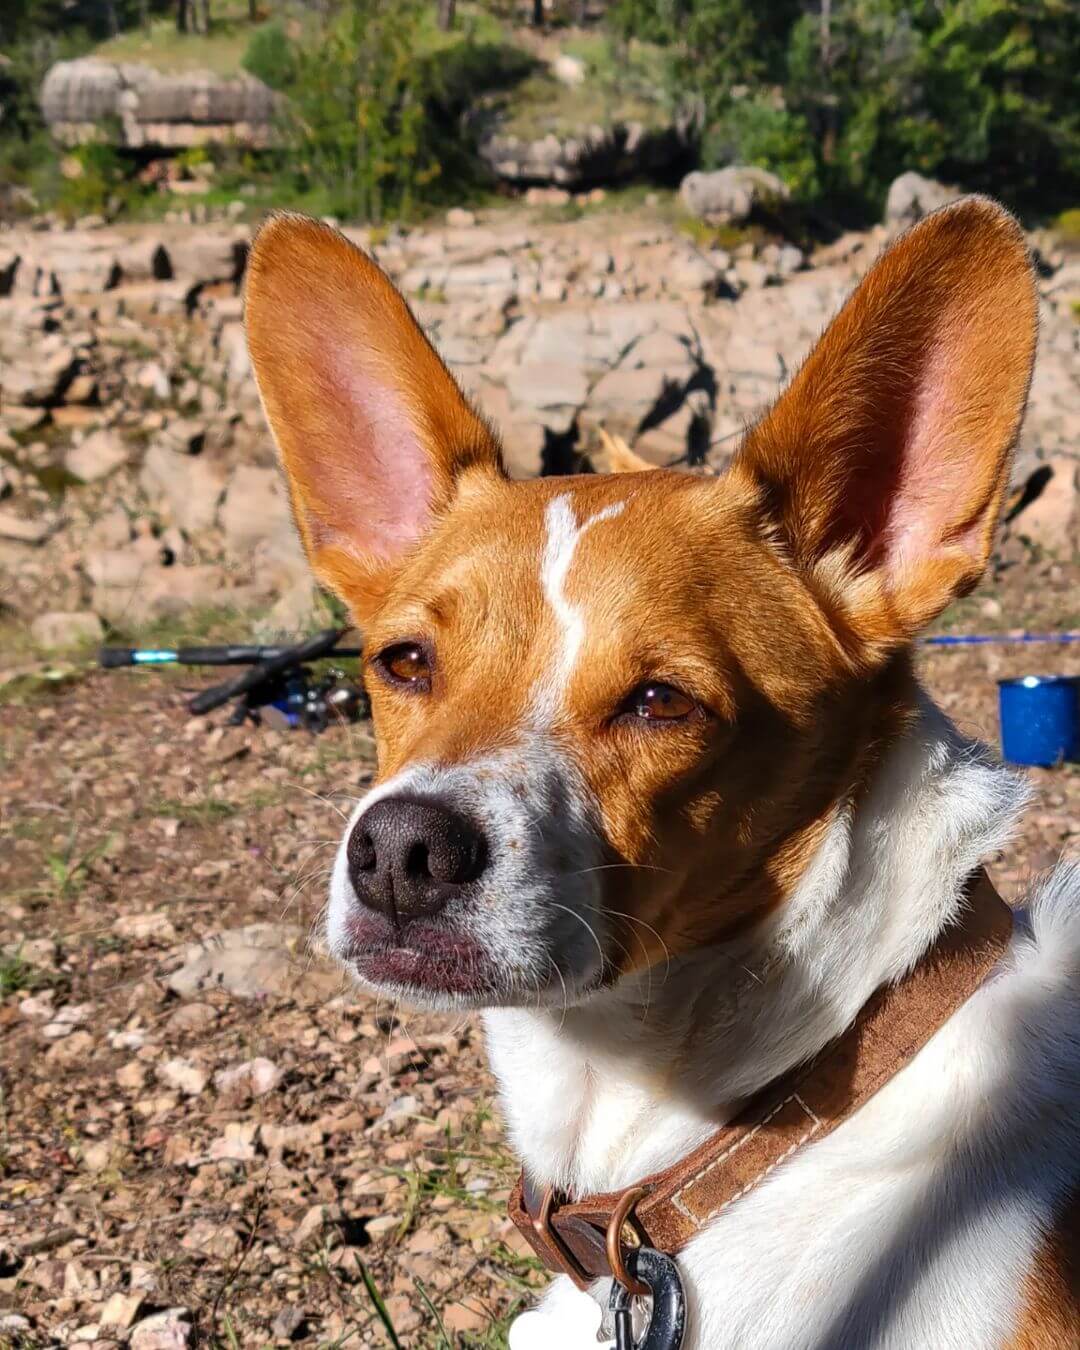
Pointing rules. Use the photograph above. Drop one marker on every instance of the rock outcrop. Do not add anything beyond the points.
(139, 479)
(911, 196)
(596, 154)
(729, 195)
(90, 99)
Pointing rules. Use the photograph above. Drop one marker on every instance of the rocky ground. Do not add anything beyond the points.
(199, 1126)
(137, 474)
(205, 1138)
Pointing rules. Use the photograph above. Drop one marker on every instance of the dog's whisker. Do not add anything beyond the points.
(611, 867)
(319, 797)
(587, 926)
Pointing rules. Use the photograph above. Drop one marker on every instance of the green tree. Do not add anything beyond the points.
(357, 112)
(839, 96)
(1003, 77)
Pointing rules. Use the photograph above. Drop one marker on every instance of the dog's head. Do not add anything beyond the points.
(616, 714)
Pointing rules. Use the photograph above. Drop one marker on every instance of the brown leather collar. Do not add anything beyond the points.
(582, 1239)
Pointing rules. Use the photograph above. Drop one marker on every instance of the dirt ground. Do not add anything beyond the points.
(297, 1163)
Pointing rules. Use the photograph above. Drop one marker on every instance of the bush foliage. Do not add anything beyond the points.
(839, 96)
(381, 110)
(376, 104)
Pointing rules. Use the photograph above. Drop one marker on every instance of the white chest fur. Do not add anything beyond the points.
(912, 1225)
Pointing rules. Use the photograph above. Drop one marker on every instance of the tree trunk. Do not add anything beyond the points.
(181, 16)
(447, 14)
(828, 140)
(253, 11)
(538, 13)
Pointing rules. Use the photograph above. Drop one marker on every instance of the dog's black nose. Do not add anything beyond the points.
(408, 858)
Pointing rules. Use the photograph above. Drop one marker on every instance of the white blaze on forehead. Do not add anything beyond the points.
(563, 534)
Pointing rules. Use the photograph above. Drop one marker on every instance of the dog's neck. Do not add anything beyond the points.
(634, 1078)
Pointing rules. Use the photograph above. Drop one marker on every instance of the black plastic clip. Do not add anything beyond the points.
(667, 1320)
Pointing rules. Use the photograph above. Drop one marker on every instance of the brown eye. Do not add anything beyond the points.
(406, 664)
(658, 702)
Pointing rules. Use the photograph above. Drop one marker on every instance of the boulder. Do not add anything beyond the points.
(57, 631)
(41, 382)
(911, 196)
(557, 389)
(200, 258)
(253, 962)
(690, 271)
(1052, 519)
(82, 100)
(256, 507)
(728, 196)
(168, 1330)
(186, 488)
(577, 158)
(128, 589)
(22, 529)
(569, 70)
(98, 456)
(143, 258)
(81, 264)
(153, 379)
(232, 346)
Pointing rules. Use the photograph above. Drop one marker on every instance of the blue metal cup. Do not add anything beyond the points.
(1040, 719)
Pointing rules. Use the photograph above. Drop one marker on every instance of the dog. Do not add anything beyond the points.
(659, 791)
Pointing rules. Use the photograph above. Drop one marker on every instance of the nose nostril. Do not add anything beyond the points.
(418, 861)
(408, 857)
(473, 860)
(364, 856)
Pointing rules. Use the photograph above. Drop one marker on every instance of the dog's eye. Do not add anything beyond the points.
(658, 702)
(406, 663)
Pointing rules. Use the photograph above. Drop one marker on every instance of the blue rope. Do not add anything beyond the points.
(979, 640)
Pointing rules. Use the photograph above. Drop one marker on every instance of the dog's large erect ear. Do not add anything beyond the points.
(882, 465)
(372, 429)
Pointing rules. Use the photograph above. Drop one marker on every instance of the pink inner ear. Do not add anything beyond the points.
(376, 487)
(935, 470)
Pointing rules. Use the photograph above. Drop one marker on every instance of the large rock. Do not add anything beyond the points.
(911, 196)
(595, 154)
(256, 507)
(233, 348)
(168, 1330)
(23, 529)
(58, 631)
(40, 381)
(143, 258)
(1052, 519)
(98, 456)
(555, 389)
(187, 487)
(203, 257)
(131, 590)
(82, 100)
(729, 195)
(253, 962)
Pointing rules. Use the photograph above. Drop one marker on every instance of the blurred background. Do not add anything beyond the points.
(631, 218)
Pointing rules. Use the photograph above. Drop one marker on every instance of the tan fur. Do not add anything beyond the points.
(316, 306)
(620, 458)
(782, 597)
(1050, 1317)
(953, 305)
(710, 822)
